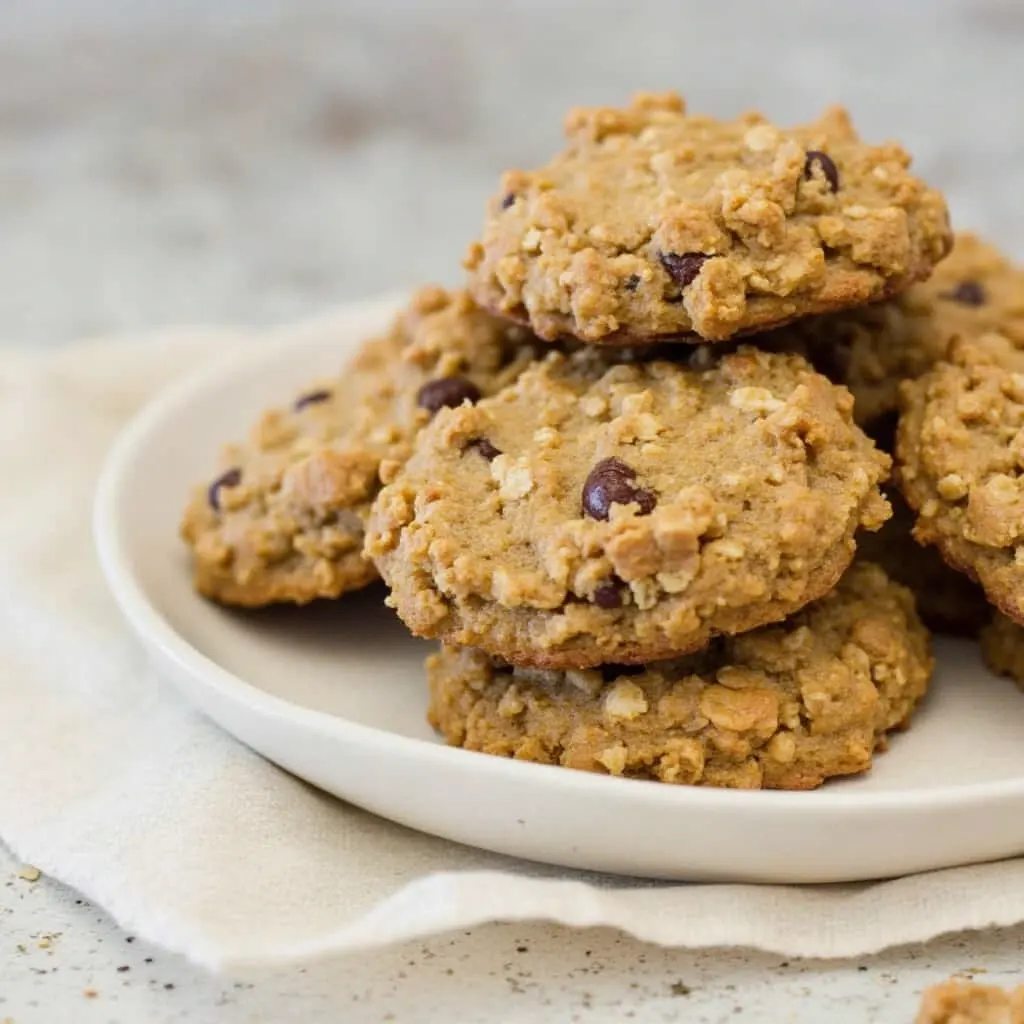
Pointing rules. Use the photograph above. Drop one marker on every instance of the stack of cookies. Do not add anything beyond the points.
(624, 475)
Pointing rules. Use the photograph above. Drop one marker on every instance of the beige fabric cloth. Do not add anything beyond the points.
(109, 781)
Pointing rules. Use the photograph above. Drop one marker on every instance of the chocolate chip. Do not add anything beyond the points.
(447, 391)
(507, 200)
(967, 293)
(311, 398)
(682, 267)
(826, 165)
(609, 595)
(609, 483)
(632, 283)
(485, 448)
(646, 500)
(229, 478)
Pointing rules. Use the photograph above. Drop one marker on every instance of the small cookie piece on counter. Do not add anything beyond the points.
(782, 707)
(601, 512)
(960, 450)
(976, 290)
(947, 601)
(283, 519)
(960, 1002)
(653, 223)
(1002, 646)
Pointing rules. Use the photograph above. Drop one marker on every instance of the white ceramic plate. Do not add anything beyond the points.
(336, 695)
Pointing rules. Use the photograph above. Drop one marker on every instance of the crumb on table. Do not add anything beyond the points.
(956, 1002)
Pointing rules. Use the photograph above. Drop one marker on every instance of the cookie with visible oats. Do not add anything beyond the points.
(975, 291)
(654, 223)
(961, 1002)
(782, 707)
(960, 452)
(603, 511)
(284, 519)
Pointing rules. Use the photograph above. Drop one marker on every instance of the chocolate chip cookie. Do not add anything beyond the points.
(782, 707)
(622, 512)
(947, 600)
(1002, 645)
(283, 520)
(976, 290)
(960, 452)
(653, 223)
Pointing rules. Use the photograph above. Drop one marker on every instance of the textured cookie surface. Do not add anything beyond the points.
(782, 707)
(594, 513)
(960, 450)
(284, 520)
(975, 291)
(957, 1002)
(1002, 644)
(947, 601)
(653, 223)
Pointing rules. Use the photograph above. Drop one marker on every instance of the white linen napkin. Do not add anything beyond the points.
(110, 782)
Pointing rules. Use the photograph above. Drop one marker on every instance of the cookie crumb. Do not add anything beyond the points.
(954, 1002)
(30, 874)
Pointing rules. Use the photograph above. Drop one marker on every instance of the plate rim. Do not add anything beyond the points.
(153, 630)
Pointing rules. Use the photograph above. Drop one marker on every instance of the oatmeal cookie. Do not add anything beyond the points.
(783, 707)
(653, 223)
(975, 291)
(597, 513)
(960, 451)
(283, 520)
(959, 1002)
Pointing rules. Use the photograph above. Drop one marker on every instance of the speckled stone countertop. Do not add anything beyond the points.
(257, 161)
(61, 960)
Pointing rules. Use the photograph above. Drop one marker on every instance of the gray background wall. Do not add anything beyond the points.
(251, 161)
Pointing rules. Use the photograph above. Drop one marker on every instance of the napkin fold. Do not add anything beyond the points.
(112, 783)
